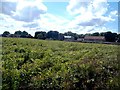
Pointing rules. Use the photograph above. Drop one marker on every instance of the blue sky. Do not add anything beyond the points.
(66, 15)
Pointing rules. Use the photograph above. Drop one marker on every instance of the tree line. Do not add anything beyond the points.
(55, 35)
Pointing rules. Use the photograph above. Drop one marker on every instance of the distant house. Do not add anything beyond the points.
(94, 39)
(80, 39)
(68, 38)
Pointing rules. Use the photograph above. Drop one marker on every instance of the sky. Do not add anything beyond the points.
(77, 16)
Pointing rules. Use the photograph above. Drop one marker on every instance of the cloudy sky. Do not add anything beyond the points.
(78, 16)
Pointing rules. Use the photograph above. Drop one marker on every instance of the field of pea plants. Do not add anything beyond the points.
(31, 64)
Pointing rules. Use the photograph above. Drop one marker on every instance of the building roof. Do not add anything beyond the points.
(68, 37)
(95, 37)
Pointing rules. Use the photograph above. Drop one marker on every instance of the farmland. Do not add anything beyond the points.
(29, 64)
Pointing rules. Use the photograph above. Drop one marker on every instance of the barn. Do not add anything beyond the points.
(94, 39)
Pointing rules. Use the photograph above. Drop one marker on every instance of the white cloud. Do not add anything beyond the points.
(54, 19)
(8, 7)
(51, 22)
(8, 21)
(9, 0)
(33, 16)
(30, 25)
(19, 0)
(113, 13)
(100, 29)
(91, 14)
(24, 10)
(87, 10)
(81, 7)
(92, 21)
(9, 24)
(76, 7)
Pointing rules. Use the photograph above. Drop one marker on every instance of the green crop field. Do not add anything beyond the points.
(31, 64)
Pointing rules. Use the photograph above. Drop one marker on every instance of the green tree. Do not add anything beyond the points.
(29, 36)
(69, 33)
(96, 34)
(24, 34)
(81, 35)
(40, 35)
(53, 35)
(61, 36)
(102, 34)
(5, 34)
(110, 37)
(19, 33)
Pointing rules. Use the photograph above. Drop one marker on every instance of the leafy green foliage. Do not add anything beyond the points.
(5, 33)
(37, 64)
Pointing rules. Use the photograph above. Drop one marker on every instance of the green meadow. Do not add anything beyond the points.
(32, 64)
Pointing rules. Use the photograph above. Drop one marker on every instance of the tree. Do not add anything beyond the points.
(18, 33)
(61, 37)
(40, 35)
(110, 37)
(88, 34)
(102, 34)
(75, 36)
(81, 36)
(69, 33)
(95, 34)
(5, 34)
(29, 36)
(36, 33)
(53, 35)
(24, 34)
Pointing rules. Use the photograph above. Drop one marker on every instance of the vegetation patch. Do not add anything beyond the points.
(30, 64)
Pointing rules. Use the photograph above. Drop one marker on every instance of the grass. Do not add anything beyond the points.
(47, 65)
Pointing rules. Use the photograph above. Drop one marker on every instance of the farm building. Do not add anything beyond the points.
(68, 38)
(94, 39)
(80, 39)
